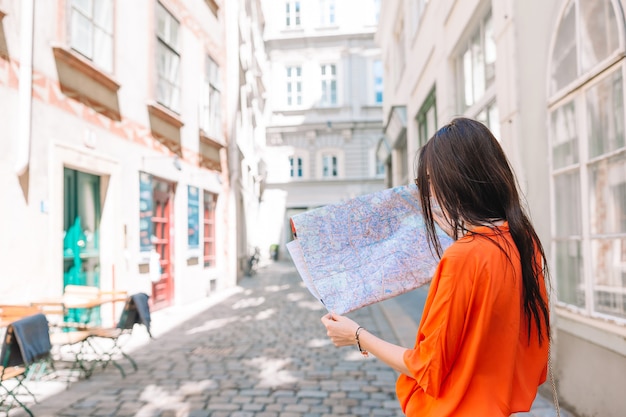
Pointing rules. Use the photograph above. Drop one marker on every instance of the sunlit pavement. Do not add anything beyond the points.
(255, 350)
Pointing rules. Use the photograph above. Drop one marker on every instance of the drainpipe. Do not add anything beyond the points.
(25, 86)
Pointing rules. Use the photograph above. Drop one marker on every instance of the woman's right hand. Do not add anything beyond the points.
(341, 330)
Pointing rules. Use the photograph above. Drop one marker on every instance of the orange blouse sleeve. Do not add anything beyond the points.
(443, 322)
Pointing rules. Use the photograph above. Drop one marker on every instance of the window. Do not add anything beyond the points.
(295, 167)
(380, 168)
(327, 12)
(427, 119)
(329, 166)
(294, 86)
(376, 5)
(168, 60)
(489, 117)
(476, 67)
(588, 160)
(329, 85)
(417, 10)
(292, 14)
(377, 69)
(210, 102)
(209, 203)
(193, 217)
(91, 31)
(401, 160)
(571, 59)
(400, 55)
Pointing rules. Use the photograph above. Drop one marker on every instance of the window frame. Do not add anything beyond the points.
(293, 14)
(328, 85)
(328, 13)
(167, 47)
(210, 101)
(489, 91)
(418, 7)
(92, 55)
(338, 155)
(292, 170)
(378, 87)
(580, 166)
(193, 220)
(209, 250)
(399, 49)
(422, 118)
(294, 86)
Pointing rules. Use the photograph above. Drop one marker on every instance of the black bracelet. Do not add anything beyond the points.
(358, 342)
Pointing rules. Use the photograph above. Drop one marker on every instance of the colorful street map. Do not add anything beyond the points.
(365, 250)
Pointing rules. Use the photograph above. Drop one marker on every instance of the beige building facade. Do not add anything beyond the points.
(548, 79)
(115, 171)
(325, 76)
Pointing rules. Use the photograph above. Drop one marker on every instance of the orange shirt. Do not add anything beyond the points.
(472, 357)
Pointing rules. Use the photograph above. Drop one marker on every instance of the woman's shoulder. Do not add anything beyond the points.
(479, 242)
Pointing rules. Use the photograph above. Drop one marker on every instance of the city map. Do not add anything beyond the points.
(365, 250)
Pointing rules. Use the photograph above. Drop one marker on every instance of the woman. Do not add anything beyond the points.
(482, 345)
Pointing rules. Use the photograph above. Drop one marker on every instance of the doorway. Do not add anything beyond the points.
(81, 236)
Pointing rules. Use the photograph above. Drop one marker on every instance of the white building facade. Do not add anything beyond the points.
(324, 103)
(114, 170)
(246, 98)
(550, 85)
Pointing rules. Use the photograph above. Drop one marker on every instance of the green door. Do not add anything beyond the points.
(81, 243)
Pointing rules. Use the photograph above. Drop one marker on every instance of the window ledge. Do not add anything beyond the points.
(213, 6)
(297, 29)
(327, 27)
(293, 111)
(328, 107)
(84, 66)
(165, 126)
(161, 112)
(209, 152)
(598, 331)
(211, 141)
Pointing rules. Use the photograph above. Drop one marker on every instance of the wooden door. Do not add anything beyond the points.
(162, 239)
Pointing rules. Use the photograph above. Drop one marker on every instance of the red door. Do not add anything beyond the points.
(162, 224)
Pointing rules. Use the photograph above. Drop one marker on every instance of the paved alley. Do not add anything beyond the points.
(256, 350)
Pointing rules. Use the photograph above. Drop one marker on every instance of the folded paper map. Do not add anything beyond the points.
(365, 250)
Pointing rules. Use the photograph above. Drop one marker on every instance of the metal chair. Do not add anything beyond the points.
(26, 344)
(136, 311)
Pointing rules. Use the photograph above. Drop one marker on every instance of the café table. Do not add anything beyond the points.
(78, 297)
(73, 337)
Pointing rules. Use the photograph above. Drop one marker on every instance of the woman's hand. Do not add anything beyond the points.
(341, 330)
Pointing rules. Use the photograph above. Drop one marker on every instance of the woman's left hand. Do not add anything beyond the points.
(341, 330)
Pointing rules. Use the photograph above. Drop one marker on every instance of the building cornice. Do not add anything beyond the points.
(322, 126)
(302, 39)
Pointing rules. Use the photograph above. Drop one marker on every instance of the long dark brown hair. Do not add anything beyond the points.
(474, 184)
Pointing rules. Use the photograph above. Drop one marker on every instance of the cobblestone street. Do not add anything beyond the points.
(261, 351)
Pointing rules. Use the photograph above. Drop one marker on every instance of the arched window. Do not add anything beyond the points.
(588, 157)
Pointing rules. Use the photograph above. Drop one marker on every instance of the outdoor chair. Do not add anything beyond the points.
(136, 311)
(71, 345)
(26, 346)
